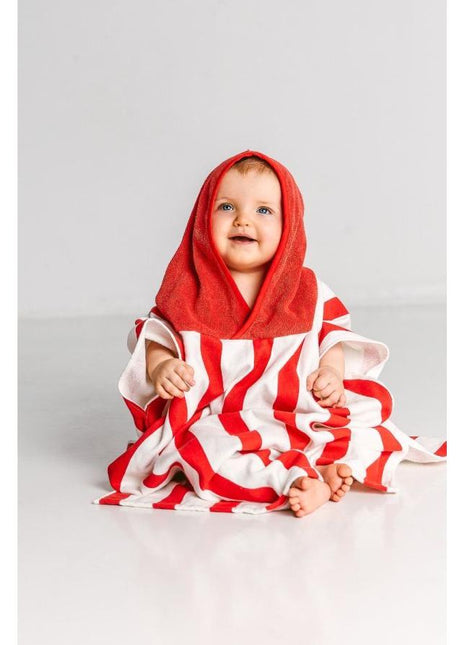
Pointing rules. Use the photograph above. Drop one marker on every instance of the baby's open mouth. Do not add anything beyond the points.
(242, 239)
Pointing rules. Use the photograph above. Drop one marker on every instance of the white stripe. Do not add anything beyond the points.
(237, 360)
(265, 390)
(363, 357)
(193, 357)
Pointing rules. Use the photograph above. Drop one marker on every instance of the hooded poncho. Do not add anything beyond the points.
(249, 427)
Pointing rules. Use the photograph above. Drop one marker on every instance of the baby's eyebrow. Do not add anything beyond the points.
(259, 201)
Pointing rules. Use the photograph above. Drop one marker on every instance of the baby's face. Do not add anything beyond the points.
(247, 205)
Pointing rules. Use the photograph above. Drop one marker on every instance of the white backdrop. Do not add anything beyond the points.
(126, 106)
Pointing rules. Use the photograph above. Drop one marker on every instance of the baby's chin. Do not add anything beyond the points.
(247, 267)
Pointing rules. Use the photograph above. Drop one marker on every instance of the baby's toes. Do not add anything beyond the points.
(345, 488)
(344, 471)
(349, 481)
(338, 495)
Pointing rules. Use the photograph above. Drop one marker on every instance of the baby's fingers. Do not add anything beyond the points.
(329, 401)
(186, 372)
(170, 387)
(177, 381)
(311, 379)
(160, 390)
(342, 400)
(326, 392)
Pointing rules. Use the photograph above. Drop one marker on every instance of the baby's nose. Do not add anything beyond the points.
(242, 217)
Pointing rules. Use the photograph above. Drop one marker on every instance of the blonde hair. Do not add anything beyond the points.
(252, 163)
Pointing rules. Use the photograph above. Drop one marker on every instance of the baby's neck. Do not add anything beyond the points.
(249, 283)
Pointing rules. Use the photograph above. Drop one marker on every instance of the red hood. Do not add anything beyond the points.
(198, 292)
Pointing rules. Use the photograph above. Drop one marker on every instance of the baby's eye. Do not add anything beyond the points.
(222, 205)
(264, 208)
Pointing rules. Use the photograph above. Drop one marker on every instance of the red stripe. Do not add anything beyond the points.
(264, 456)
(139, 323)
(154, 480)
(155, 409)
(286, 401)
(114, 498)
(298, 439)
(338, 418)
(223, 507)
(177, 413)
(233, 423)
(211, 351)
(336, 449)
(175, 497)
(366, 387)
(296, 458)
(234, 400)
(390, 443)
(333, 308)
(374, 472)
(193, 453)
(327, 328)
(442, 450)
(118, 467)
(288, 383)
(251, 441)
(138, 414)
(279, 502)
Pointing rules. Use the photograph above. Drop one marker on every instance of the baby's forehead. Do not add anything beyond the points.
(261, 184)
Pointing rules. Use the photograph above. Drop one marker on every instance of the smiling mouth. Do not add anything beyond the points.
(241, 239)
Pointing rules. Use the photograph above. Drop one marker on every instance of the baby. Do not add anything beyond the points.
(247, 223)
(248, 388)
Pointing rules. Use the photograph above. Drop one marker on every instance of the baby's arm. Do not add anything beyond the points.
(170, 375)
(334, 358)
(155, 354)
(327, 381)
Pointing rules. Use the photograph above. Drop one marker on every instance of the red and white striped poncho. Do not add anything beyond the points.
(249, 427)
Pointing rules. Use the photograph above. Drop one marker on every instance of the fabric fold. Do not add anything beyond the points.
(241, 436)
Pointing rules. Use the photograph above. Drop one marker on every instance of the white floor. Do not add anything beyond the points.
(370, 569)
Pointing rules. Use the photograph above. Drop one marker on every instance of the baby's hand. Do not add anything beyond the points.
(327, 386)
(172, 377)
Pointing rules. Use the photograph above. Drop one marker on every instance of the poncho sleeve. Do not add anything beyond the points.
(364, 357)
(134, 385)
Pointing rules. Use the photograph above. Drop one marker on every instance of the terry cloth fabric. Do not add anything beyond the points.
(198, 292)
(248, 428)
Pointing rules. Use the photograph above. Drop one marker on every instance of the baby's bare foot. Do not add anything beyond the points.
(338, 477)
(307, 494)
